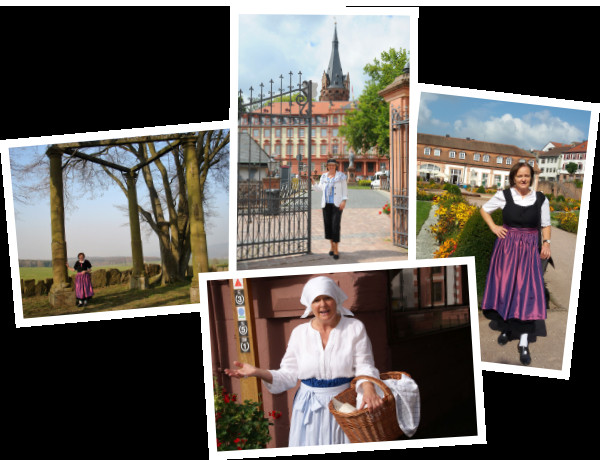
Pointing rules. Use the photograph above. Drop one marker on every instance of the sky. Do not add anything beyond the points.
(272, 45)
(95, 225)
(527, 126)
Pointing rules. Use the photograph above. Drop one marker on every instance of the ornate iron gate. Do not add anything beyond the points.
(399, 179)
(273, 217)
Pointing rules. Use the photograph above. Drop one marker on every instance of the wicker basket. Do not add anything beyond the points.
(360, 426)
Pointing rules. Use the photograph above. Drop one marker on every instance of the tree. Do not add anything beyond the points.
(367, 126)
(167, 212)
(571, 168)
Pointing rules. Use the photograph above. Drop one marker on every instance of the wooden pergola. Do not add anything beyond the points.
(62, 292)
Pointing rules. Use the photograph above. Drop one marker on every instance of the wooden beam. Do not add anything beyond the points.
(243, 315)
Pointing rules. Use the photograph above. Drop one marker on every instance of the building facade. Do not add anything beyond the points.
(287, 141)
(468, 161)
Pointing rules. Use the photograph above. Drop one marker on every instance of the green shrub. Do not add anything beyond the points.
(477, 240)
(481, 189)
(452, 189)
(364, 183)
(239, 426)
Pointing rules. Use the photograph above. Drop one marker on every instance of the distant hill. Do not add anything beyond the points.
(218, 251)
(96, 261)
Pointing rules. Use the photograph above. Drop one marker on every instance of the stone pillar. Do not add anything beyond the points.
(138, 278)
(196, 211)
(61, 293)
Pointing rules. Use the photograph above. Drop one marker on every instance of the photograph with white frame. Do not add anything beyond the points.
(417, 315)
(466, 143)
(374, 228)
(146, 269)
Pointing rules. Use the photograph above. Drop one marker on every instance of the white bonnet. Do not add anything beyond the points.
(322, 285)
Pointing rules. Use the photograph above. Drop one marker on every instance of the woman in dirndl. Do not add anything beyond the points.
(83, 280)
(514, 294)
(325, 354)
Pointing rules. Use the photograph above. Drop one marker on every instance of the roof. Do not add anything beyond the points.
(472, 144)
(250, 152)
(334, 70)
(579, 148)
(318, 108)
(556, 151)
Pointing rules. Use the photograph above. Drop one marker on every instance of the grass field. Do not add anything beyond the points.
(111, 298)
(42, 273)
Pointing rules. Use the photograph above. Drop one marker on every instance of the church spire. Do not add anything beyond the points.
(335, 85)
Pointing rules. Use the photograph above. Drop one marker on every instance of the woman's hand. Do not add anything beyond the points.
(545, 252)
(243, 370)
(342, 205)
(370, 398)
(499, 231)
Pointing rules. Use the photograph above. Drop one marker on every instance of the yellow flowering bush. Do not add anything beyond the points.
(452, 214)
(446, 249)
(568, 221)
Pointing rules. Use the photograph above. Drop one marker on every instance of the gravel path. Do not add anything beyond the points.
(426, 243)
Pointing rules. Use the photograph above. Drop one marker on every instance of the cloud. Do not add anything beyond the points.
(426, 120)
(530, 131)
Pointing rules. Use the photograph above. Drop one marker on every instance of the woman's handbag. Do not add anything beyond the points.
(360, 426)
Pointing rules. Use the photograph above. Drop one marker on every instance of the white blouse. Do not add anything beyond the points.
(498, 202)
(348, 353)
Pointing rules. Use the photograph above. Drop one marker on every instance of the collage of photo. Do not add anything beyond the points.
(359, 246)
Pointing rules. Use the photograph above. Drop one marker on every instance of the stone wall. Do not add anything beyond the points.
(566, 189)
(100, 278)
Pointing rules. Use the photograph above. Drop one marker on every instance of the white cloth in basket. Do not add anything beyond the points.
(408, 402)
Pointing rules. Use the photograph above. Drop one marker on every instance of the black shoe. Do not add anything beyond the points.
(503, 338)
(336, 256)
(524, 355)
(330, 253)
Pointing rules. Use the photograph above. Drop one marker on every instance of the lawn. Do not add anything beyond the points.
(110, 298)
(423, 210)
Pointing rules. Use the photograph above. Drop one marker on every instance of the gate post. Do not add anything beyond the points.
(61, 293)
(197, 231)
(138, 278)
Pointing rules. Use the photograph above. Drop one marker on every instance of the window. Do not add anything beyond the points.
(452, 154)
(289, 149)
(476, 157)
(278, 132)
(427, 151)
(334, 149)
(267, 132)
(499, 160)
(300, 132)
(323, 149)
(437, 152)
(486, 158)
(278, 149)
(334, 132)
(508, 160)
(426, 300)
(323, 132)
(462, 155)
(290, 132)
(301, 149)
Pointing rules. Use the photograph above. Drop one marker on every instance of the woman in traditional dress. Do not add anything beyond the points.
(514, 292)
(334, 186)
(83, 280)
(325, 354)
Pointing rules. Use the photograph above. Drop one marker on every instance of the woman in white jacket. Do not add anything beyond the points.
(334, 186)
(325, 354)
